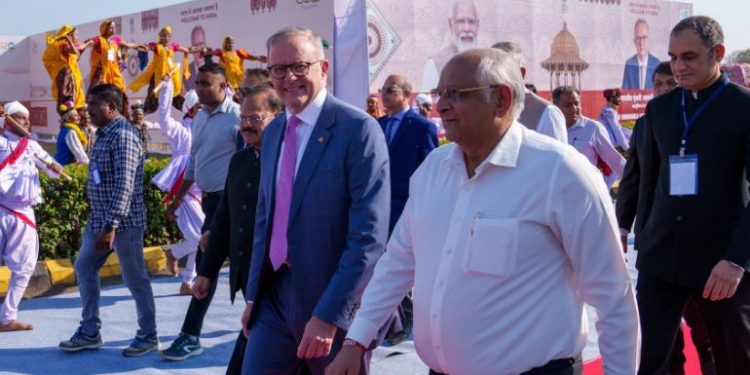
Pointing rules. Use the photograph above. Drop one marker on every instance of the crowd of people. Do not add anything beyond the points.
(331, 216)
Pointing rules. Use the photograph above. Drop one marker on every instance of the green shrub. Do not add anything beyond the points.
(61, 218)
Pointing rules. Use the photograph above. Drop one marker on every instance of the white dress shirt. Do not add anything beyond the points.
(308, 118)
(642, 72)
(552, 123)
(502, 263)
(590, 139)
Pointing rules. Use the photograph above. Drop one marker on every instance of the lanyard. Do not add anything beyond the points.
(689, 123)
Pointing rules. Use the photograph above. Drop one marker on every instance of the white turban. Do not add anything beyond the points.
(12, 108)
(423, 99)
(15, 107)
(191, 99)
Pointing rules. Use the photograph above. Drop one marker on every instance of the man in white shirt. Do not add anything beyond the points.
(538, 114)
(587, 136)
(505, 237)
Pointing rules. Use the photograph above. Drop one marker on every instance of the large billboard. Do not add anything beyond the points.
(591, 44)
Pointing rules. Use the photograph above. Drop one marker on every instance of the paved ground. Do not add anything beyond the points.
(55, 318)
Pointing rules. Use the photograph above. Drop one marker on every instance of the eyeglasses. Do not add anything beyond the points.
(252, 120)
(389, 90)
(299, 69)
(455, 94)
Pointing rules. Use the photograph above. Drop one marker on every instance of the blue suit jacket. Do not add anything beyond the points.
(338, 220)
(414, 139)
(630, 73)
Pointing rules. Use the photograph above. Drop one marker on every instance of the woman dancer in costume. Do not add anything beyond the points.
(233, 61)
(161, 65)
(60, 58)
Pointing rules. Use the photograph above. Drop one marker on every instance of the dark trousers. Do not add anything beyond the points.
(568, 366)
(699, 333)
(193, 322)
(277, 332)
(661, 306)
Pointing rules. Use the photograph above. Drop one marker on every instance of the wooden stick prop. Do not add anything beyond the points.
(50, 165)
(24, 133)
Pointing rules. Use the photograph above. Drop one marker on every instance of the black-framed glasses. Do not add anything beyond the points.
(455, 94)
(299, 69)
(252, 120)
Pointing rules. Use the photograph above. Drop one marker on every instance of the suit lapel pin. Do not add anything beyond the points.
(320, 139)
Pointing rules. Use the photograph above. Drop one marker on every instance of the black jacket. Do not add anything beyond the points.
(682, 238)
(233, 222)
(626, 208)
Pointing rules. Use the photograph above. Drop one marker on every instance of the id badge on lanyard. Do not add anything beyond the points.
(96, 178)
(683, 168)
(683, 174)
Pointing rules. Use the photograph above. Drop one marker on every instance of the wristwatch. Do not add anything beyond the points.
(350, 342)
(108, 228)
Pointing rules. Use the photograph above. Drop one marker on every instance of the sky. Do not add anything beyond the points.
(35, 16)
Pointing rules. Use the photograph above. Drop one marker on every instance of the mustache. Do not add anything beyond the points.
(249, 130)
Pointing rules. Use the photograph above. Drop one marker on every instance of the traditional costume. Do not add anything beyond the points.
(72, 141)
(105, 59)
(190, 216)
(60, 58)
(20, 189)
(233, 62)
(161, 65)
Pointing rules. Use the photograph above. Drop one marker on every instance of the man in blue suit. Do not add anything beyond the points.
(639, 69)
(410, 138)
(322, 216)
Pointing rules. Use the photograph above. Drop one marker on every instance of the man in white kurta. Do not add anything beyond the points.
(189, 214)
(20, 189)
(505, 236)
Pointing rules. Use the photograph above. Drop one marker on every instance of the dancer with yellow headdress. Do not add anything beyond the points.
(161, 66)
(105, 56)
(233, 61)
(60, 58)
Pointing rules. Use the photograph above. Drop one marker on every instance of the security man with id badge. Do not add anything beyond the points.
(695, 237)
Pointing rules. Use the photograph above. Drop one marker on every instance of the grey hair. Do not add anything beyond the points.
(315, 40)
(641, 21)
(499, 68)
(513, 49)
(455, 3)
(706, 28)
(558, 92)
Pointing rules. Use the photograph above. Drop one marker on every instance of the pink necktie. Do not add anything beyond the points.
(279, 246)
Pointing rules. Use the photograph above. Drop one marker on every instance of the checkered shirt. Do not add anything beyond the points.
(118, 199)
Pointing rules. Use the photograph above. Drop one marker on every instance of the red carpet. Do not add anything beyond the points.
(692, 367)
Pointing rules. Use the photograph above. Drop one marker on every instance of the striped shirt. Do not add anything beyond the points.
(115, 183)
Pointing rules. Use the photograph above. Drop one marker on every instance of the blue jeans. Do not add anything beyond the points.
(128, 245)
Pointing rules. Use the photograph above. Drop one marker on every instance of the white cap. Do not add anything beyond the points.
(191, 99)
(11, 108)
(423, 99)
